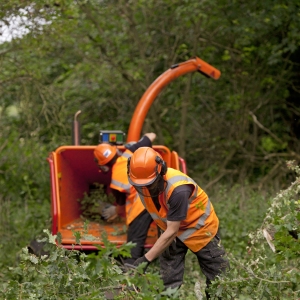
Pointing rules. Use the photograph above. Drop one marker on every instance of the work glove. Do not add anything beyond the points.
(137, 262)
(109, 212)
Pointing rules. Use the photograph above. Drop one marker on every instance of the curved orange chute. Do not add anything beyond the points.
(139, 115)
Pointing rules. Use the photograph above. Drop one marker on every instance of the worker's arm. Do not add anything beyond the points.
(121, 201)
(120, 197)
(164, 241)
(151, 136)
(145, 141)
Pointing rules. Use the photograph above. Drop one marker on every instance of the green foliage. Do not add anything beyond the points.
(270, 270)
(93, 203)
(24, 196)
(101, 58)
(269, 145)
(63, 274)
(240, 210)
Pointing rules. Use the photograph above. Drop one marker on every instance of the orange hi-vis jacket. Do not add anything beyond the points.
(201, 223)
(119, 181)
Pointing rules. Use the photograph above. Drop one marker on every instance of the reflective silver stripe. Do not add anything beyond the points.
(127, 155)
(121, 185)
(176, 178)
(187, 233)
(157, 217)
(154, 216)
(128, 202)
(182, 178)
(165, 195)
(194, 196)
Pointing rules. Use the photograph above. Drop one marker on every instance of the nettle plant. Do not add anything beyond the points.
(271, 267)
(71, 274)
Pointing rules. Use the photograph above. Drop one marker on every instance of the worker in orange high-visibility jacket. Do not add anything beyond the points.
(112, 161)
(183, 212)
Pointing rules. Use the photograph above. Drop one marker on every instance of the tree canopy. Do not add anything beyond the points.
(100, 57)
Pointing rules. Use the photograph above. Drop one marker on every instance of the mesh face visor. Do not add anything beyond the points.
(103, 168)
(154, 189)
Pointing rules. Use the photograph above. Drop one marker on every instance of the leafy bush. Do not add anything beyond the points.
(25, 193)
(63, 274)
(270, 270)
(240, 209)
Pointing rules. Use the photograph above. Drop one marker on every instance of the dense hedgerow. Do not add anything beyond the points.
(270, 268)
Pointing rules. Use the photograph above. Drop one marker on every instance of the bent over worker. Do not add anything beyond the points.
(183, 212)
(138, 220)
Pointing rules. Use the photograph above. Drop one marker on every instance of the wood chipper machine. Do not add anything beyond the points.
(73, 170)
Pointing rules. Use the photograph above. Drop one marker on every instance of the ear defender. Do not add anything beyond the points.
(128, 165)
(163, 164)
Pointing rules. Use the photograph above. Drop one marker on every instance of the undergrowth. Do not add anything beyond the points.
(270, 267)
(261, 236)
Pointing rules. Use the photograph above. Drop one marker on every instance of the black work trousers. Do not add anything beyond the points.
(210, 258)
(137, 233)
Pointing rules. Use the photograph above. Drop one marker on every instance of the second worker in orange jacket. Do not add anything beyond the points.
(138, 220)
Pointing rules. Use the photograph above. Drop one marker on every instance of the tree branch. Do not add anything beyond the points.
(264, 128)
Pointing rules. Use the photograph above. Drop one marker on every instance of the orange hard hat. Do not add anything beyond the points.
(104, 153)
(144, 167)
